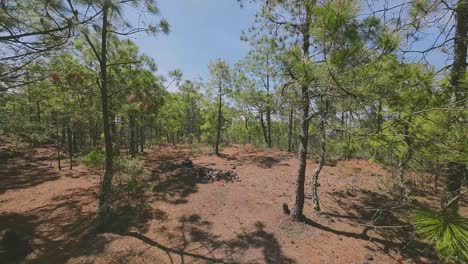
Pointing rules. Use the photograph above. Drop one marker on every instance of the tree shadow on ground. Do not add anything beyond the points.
(132, 211)
(384, 223)
(173, 183)
(174, 187)
(18, 171)
(264, 161)
(58, 230)
(195, 241)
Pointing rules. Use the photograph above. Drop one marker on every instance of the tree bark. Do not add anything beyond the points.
(264, 129)
(298, 208)
(456, 171)
(105, 192)
(268, 109)
(142, 138)
(38, 106)
(58, 148)
(70, 145)
(319, 166)
(290, 128)
(218, 133)
(132, 135)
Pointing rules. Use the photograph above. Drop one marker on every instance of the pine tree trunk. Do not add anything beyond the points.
(264, 129)
(268, 126)
(58, 148)
(268, 109)
(218, 133)
(30, 105)
(38, 106)
(319, 166)
(142, 138)
(249, 137)
(457, 171)
(132, 124)
(105, 192)
(137, 137)
(70, 145)
(290, 129)
(298, 208)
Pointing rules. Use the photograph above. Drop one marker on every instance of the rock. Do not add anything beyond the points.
(369, 257)
(286, 210)
(187, 163)
(206, 175)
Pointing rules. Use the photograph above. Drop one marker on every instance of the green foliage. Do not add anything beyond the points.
(388, 42)
(447, 231)
(132, 173)
(94, 159)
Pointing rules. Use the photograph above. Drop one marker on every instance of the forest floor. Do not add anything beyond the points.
(178, 220)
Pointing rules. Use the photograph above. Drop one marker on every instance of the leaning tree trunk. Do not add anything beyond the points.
(105, 192)
(456, 171)
(297, 212)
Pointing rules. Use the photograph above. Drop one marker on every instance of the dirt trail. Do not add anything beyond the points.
(182, 221)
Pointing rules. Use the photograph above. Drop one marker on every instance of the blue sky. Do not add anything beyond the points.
(201, 31)
(205, 30)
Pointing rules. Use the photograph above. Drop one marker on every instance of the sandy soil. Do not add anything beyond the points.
(177, 220)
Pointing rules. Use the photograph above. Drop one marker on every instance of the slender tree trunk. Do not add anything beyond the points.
(70, 145)
(298, 208)
(74, 141)
(247, 130)
(105, 192)
(142, 138)
(30, 105)
(379, 116)
(137, 137)
(290, 129)
(456, 171)
(268, 109)
(218, 132)
(405, 193)
(319, 166)
(38, 106)
(264, 129)
(113, 124)
(268, 125)
(133, 144)
(58, 149)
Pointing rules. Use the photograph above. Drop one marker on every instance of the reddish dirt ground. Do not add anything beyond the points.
(178, 220)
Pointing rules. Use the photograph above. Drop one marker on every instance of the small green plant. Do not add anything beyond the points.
(132, 172)
(94, 159)
(448, 232)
